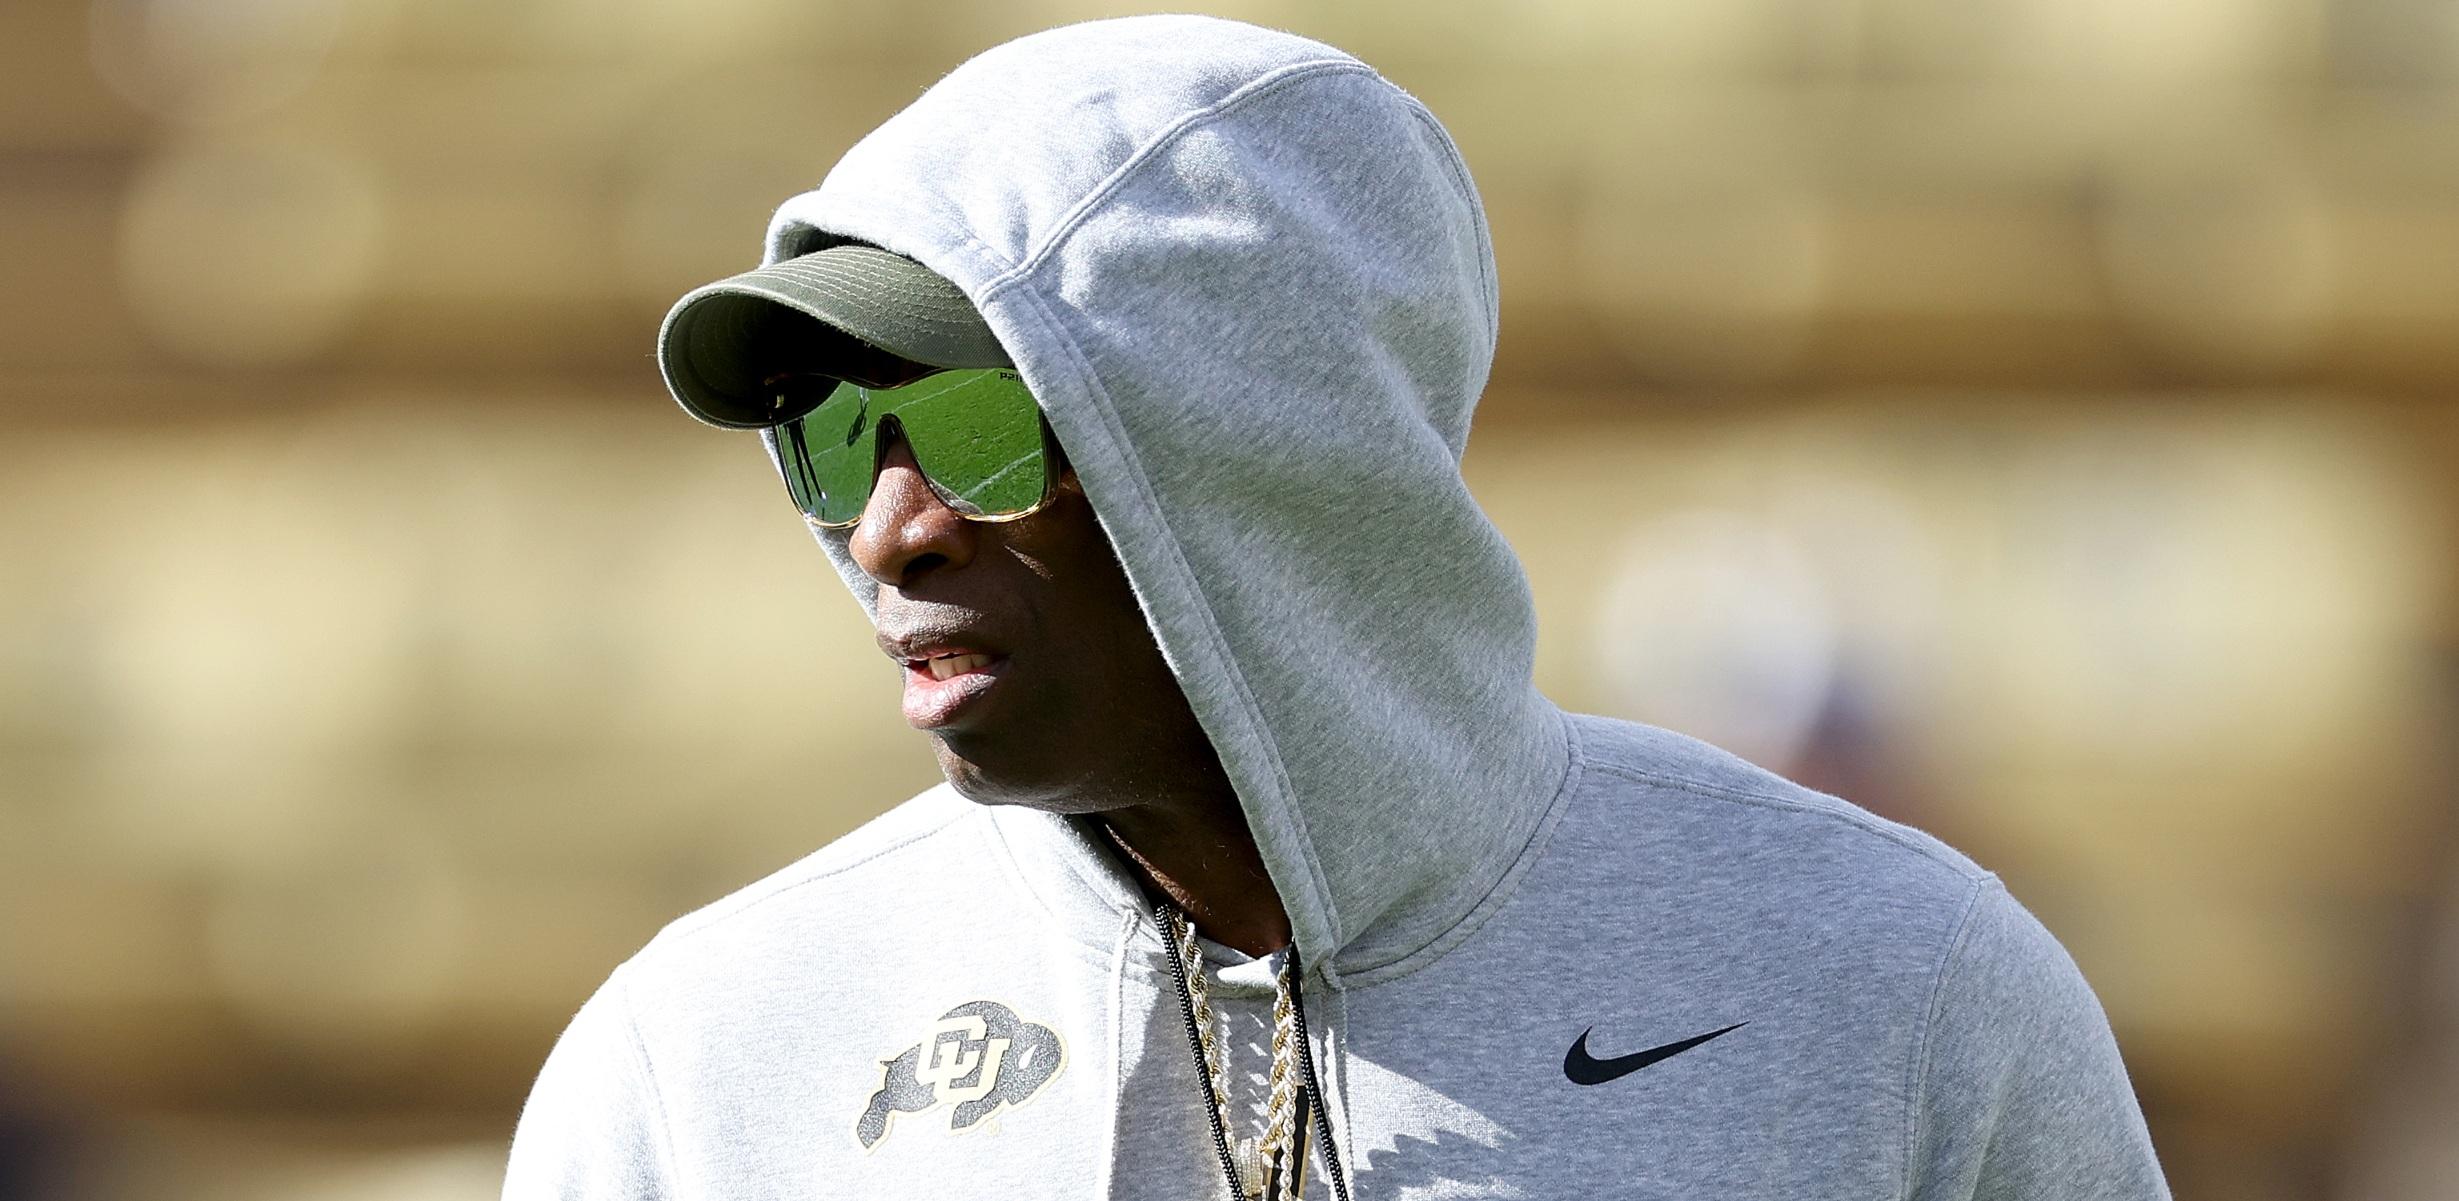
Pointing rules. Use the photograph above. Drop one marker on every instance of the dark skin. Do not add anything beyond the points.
(1078, 713)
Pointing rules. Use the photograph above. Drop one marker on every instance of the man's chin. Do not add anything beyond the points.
(996, 784)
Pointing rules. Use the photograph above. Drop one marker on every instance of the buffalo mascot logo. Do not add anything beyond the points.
(977, 1057)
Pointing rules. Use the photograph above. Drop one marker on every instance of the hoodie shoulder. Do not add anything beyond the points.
(1688, 845)
(619, 1095)
(1671, 776)
(921, 838)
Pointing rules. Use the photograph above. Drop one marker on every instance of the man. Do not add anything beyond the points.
(1262, 868)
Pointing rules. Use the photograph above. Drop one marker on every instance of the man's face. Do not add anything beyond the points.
(1048, 689)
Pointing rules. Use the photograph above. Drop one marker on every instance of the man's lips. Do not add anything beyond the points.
(944, 686)
(948, 671)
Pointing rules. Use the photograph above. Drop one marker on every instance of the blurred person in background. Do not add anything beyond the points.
(1124, 377)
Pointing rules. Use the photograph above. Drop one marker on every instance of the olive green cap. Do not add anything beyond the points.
(837, 312)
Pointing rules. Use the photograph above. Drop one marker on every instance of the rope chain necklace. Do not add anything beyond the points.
(1276, 1161)
(1266, 1167)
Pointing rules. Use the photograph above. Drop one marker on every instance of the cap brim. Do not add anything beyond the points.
(823, 310)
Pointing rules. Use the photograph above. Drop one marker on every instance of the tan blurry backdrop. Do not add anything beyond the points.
(2030, 418)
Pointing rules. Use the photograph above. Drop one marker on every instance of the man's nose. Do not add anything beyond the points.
(906, 531)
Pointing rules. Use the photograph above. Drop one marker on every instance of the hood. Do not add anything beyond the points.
(1250, 283)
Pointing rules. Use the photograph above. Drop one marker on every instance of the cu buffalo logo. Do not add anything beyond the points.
(977, 1057)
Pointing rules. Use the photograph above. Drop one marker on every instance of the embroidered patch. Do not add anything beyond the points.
(977, 1057)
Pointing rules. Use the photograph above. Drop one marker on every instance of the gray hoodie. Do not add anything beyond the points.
(1250, 283)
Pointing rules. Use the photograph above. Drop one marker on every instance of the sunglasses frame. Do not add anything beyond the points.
(1054, 458)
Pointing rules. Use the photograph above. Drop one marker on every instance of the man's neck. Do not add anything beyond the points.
(1204, 860)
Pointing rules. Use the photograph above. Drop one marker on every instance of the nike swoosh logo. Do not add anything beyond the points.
(1583, 1068)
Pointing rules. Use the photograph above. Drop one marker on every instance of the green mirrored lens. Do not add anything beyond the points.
(976, 434)
(829, 455)
(979, 438)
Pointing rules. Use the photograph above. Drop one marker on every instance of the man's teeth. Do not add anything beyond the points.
(954, 665)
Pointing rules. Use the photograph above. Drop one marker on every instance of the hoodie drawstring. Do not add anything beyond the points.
(1314, 1089)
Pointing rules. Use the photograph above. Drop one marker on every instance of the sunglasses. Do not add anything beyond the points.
(983, 445)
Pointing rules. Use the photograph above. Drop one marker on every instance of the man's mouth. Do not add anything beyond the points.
(944, 687)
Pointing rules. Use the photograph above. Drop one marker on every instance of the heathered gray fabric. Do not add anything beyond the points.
(1250, 283)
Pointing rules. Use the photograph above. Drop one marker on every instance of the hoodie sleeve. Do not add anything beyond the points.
(593, 1129)
(2021, 1093)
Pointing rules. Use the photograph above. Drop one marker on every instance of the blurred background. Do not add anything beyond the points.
(2030, 418)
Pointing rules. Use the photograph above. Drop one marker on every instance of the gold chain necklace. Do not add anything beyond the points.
(1272, 1165)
